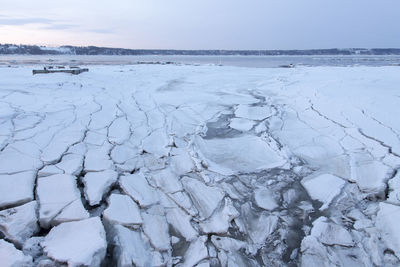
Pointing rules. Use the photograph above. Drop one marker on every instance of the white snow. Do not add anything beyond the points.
(77, 243)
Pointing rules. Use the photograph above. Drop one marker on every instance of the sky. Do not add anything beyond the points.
(203, 24)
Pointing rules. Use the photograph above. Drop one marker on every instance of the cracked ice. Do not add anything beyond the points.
(153, 165)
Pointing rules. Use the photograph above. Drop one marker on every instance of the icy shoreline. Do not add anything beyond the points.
(157, 165)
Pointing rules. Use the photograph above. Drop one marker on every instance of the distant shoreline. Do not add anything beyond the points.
(12, 49)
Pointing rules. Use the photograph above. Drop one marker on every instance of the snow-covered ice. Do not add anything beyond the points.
(77, 243)
(97, 184)
(200, 166)
(324, 187)
(122, 210)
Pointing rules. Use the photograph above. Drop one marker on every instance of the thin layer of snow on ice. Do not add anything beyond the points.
(200, 165)
(122, 210)
(324, 187)
(240, 154)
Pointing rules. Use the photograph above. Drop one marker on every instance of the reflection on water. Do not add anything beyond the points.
(239, 61)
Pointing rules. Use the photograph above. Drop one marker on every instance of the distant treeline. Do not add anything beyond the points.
(9, 49)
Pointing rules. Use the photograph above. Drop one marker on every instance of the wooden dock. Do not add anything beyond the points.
(71, 70)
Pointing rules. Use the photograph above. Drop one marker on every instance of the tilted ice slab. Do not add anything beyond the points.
(253, 112)
(324, 188)
(330, 233)
(243, 154)
(97, 184)
(17, 188)
(369, 174)
(265, 199)
(205, 198)
(155, 227)
(241, 124)
(55, 193)
(130, 248)
(136, 186)
(77, 243)
(387, 222)
(122, 210)
(12, 257)
(19, 223)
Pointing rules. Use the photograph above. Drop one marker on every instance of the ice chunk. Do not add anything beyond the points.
(49, 170)
(13, 161)
(12, 257)
(387, 222)
(253, 112)
(97, 184)
(370, 175)
(330, 233)
(205, 198)
(324, 187)
(55, 192)
(167, 181)
(98, 159)
(228, 244)
(19, 223)
(181, 163)
(265, 198)
(180, 221)
(260, 228)
(241, 124)
(73, 212)
(16, 189)
(119, 131)
(196, 252)
(123, 153)
(219, 222)
(71, 164)
(130, 248)
(240, 154)
(157, 143)
(156, 229)
(122, 210)
(314, 254)
(77, 243)
(394, 190)
(136, 186)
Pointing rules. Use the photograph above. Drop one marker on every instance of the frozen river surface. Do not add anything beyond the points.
(161, 165)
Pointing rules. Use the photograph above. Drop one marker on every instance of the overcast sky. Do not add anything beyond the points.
(202, 24)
